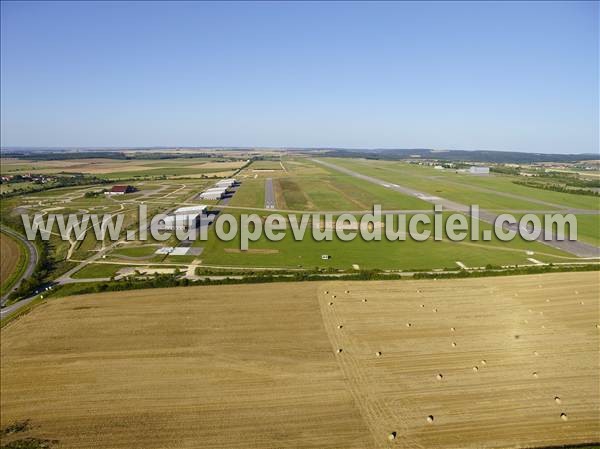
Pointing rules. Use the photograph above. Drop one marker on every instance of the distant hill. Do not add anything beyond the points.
(460, 155)
(515, 157)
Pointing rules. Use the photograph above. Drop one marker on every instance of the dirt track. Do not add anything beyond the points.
(257, 366)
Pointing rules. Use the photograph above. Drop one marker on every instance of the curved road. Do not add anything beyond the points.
(31, 263)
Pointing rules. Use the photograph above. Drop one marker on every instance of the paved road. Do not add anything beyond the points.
(32, 262)
(577, 248)
(269, 195)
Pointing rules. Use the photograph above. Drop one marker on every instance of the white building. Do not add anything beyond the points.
(181, 221)
(226, 182)
(479, 170)
(217, 189)
(199, 209)
(212, 195)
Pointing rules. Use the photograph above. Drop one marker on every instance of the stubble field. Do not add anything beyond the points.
(258, 366)
(12, 260)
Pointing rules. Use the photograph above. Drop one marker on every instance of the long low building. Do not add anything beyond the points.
(217, 189)
(212, 195)
(181, 221)
(226, 182)
(199, 209)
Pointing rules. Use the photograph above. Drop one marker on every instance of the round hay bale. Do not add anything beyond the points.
(582, 303)
(557, 399)
(339, 351)
(454, 344)
(422, 306)
(440, 376)
(326, 292)
(378, 353)
(435, 310)
(418, 291)
(347, 291)
(597, 326)
(392, 436)
(535, 374)
(484, 362)
(333, 296)
(453, 329)
(475, 368)
(330, 303)
(536, 353)
(364, 300)
(340, 326)
(564, 416)
(408, 324)
(430, 419)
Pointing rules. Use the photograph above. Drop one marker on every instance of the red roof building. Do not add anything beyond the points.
(120, 190)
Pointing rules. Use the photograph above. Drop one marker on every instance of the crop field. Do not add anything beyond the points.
(487, 362)
(13, 258)
(117, 168)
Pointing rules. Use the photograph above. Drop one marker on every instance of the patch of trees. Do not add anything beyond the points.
(140, 155)
(563, 188)
(94, 193)
(58, 182)
(458, 155)
(167, 280)
(42, 269)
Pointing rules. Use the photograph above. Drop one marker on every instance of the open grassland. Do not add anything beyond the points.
(490, 192)
(13, 259)
(251, 193)
(384, 254)
(306, 185)
(588, 227)
(265, 165)
(229, 366)
(98, 270)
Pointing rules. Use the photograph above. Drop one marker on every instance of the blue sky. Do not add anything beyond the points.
(468, 75)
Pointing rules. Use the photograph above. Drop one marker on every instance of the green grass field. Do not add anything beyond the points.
(305, 185)
(463, 187)
(97, 270)
(397, 255)
(251, 193)
(265, 165)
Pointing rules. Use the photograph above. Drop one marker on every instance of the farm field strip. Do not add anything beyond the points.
(228, 366)
(13, 258)
(496, 362)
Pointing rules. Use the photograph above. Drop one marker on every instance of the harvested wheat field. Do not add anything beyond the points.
(478, 363)
(10, 254)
